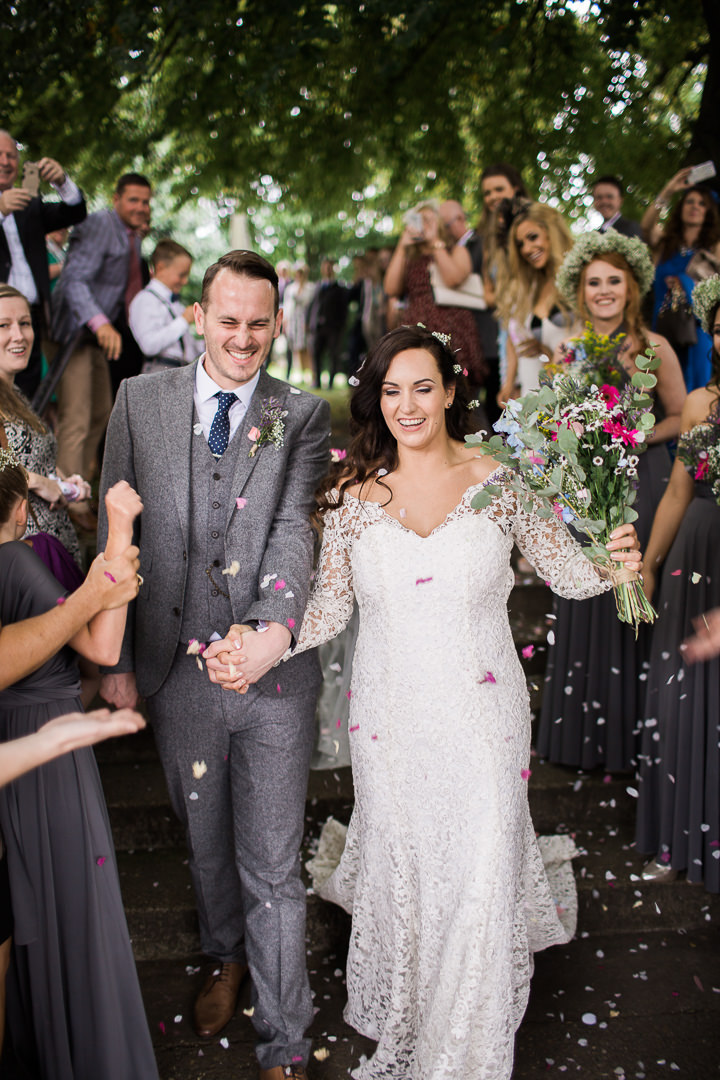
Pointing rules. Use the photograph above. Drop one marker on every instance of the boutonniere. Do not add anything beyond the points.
(271, 429)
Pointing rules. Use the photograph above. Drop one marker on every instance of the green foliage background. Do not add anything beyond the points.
(298, 112)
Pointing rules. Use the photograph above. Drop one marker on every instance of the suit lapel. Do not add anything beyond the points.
(176, 422)
(244, 464)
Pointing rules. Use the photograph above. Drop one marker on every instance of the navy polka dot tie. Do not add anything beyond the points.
(220, 430)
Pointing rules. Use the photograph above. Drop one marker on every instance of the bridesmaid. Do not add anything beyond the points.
(592, 699)
(679, 804)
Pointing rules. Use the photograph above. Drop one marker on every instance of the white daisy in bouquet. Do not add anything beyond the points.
(573, 450)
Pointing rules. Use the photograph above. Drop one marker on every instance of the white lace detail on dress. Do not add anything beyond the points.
(441, 869)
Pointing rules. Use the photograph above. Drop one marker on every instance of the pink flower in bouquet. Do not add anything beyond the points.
(629, 436)
(610, 394)
(578, 428)
(535, 460)
(702, 469)
(253, 434)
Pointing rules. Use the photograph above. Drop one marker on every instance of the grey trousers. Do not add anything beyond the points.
(237, 771)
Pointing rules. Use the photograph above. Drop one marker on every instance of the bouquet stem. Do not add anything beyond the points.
(632, 604)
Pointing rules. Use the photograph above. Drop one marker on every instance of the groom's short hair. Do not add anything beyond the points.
(245, 263)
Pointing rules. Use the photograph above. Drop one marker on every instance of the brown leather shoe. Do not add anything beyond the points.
(284, 1072)
(216, 1002)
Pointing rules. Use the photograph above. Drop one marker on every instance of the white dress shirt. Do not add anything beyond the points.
(159, 326)
(20, 276)
(206, 404)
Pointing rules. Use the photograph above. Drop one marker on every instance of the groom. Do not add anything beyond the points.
(226, 460)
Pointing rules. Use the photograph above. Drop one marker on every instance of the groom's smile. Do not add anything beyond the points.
(239, 325)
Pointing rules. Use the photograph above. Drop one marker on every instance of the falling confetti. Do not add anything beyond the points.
(674, 573)
(198, 429)
(193, 795)
(240, 503)
(696, 577)
(291, 623)
(109, 575)
(100, 861)
(199, 769)
(528, 651)
(250, 1011)
(355, 727)
(321, 1054)
(489, 678)
(526, 773)
(60, 600)
(279, 584)
(551, 637)
(233, 569)
(225, 1042)
(422, 580)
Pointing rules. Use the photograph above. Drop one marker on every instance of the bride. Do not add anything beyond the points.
(441, 870)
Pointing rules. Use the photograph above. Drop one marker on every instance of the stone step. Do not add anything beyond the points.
(160, 905)
(621, 1005)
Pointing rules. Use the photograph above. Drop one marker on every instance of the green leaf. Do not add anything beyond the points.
(646, 381)
(483, 498)
(629, 515)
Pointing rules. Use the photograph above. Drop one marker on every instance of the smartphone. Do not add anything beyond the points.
(414, 221)
(31, 177)
(698, 173)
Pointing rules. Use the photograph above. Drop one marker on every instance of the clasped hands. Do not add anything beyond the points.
(244, 655)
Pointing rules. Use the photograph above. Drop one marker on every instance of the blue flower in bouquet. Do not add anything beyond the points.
(564, 513)
(507, 425)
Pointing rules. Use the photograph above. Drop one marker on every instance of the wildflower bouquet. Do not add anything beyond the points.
(573, 450)
(699, 451)
(592, 358)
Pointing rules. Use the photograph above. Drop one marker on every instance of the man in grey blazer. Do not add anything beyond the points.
(102, 274)
(225, 537)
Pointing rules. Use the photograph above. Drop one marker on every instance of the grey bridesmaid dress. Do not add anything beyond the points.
(74, 1009)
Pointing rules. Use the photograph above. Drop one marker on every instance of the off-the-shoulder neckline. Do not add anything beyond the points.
(390, 517)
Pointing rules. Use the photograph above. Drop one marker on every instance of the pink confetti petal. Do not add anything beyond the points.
(109, 575)
(60, 600)
(240, 503)
(675, 573)
(101, 860)
(373, 737)
(279, 584)
(162, 1027)
(278, 689)
(422, 580)
(291, 623)
(526, 773)
(338, 723)
(354, 727)
(528, 651)
(349, 694)
(489, 678)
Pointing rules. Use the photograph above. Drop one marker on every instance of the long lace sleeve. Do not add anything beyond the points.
(548, 545)
(331, 600)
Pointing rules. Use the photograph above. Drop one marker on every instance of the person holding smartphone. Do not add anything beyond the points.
(686, 249)
(25, 221)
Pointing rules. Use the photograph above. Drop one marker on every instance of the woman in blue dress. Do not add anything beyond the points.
(686, 250)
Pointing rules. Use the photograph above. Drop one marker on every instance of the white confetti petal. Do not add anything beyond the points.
(199, 769)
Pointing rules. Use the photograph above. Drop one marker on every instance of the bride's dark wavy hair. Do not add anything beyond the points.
(372, 447)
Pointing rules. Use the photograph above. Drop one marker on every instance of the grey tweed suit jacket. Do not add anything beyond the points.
(94, 278)
(149, 445)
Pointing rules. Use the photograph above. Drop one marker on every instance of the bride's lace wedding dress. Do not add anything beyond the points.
(441, 869)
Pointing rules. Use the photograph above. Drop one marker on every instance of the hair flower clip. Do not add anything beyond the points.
(444, 339)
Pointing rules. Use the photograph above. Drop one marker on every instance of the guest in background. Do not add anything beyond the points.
(488, 330)
(537, 317)
(25, 220)
(327, 315)
(686, 250)
(160, 322)
(424, 243)
(298, 297)
(608, 195)
(102, 275)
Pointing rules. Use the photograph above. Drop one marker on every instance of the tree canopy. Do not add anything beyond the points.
(318, 109)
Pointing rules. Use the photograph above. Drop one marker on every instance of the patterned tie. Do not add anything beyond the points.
(220, 430)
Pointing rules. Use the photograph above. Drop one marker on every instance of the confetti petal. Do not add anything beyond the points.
(279, 584)
(526, 773)
(109, 575)
(528, 651)
(291, 623)
(240, 503)
(199, 769)
(233, 569)
(696, 577)
(100, 861)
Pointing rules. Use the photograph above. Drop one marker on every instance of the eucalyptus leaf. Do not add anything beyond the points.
(647, 381)
(629, 515)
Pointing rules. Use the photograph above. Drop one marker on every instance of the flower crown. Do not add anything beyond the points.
(594, 245)
(8, 459)
(706, 297)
